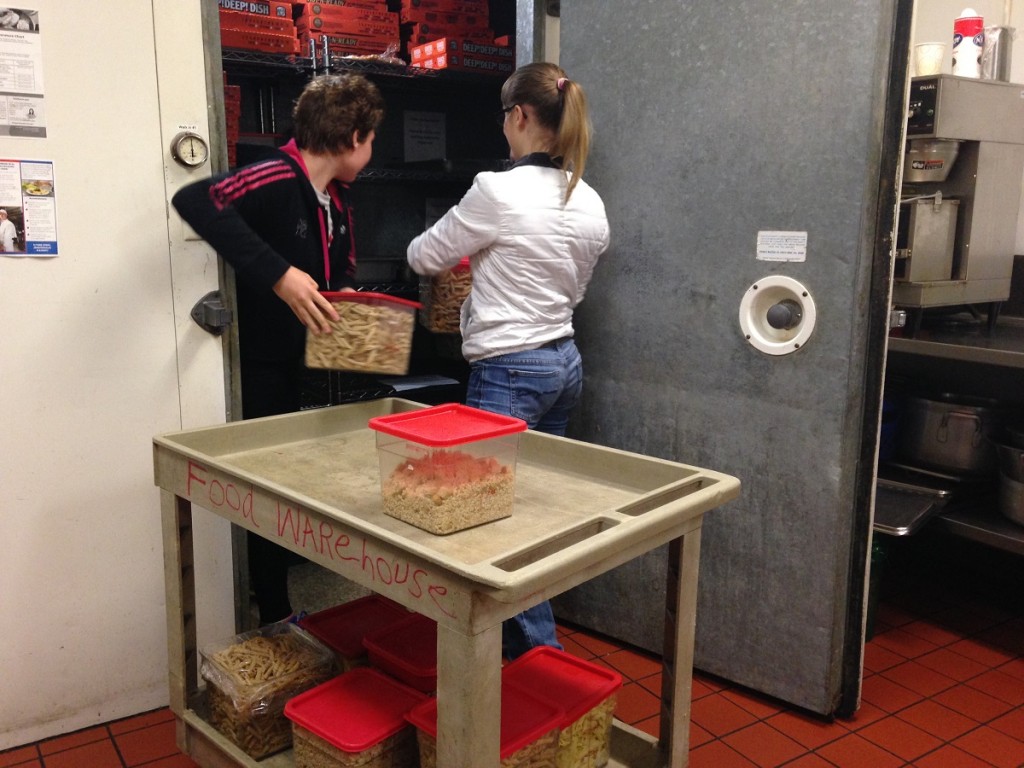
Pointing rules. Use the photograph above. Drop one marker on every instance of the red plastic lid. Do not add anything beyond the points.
(354, 711)
(524, 718)
(369, 297)
(462, 266)
(408, 650)
(563, 679)
(450, 424)
(343, 627)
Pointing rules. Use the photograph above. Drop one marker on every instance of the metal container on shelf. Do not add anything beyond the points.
(952, 433)
(1011, 499)
(1011, 462)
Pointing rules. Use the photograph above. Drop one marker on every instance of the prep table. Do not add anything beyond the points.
(310, 482)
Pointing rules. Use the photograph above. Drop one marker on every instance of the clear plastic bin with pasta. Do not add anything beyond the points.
(253, 675)
(373, 334)
(442, 297)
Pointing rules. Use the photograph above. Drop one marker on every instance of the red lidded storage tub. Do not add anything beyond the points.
(447, 468)
(356, 719)
(407, 650)
(343, 627)
(529, 729)
(587, 692)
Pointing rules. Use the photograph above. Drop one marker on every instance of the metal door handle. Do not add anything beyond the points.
(211, 314)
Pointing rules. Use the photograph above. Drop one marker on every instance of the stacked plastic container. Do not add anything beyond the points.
(357, 719)
(529, 730)
(586, 693)
(407, 651)
(343, 627)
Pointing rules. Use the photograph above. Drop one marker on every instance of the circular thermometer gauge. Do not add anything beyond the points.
(190, 149)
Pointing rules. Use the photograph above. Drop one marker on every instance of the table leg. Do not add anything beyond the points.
(180, 598)
(680, 626)
(468, 698)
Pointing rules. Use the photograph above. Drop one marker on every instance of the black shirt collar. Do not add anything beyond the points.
(542, 159)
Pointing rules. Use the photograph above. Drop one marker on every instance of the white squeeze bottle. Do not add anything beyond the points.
(968, 40)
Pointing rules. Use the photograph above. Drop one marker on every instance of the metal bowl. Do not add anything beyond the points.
(930, 159)
(1011, 462)
(1011, 499)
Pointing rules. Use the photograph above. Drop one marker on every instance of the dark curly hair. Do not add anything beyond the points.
(332, 109)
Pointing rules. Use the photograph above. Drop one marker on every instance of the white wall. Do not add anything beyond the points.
(933, 22)
(97, 355)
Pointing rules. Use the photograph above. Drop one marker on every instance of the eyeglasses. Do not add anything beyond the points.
(500, 116)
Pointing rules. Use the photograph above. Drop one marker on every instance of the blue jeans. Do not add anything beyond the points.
(541, 387)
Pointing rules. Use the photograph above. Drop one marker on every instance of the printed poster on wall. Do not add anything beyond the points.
(28, 208)
(21, 74)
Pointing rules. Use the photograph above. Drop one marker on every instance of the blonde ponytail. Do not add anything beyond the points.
(561, 106)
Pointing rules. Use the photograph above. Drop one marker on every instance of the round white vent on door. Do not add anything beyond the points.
(777, 315)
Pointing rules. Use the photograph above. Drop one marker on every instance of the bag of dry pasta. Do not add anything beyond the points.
(250, 678)
(442, 296)
(373, 334)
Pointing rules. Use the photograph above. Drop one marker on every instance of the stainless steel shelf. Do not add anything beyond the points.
(985, 526)
(1003, 347)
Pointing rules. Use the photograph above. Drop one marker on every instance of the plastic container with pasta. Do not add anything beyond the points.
(447, 468)
(407, 651)
(586, 692)
(252, 676)
(343, 627)
(373, 334)
(529, 730)
(442, 296)
(356, 720)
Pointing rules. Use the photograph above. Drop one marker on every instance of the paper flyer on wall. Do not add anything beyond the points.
(21, 74)
(28, 208)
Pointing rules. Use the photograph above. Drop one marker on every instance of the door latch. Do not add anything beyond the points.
(211, 314)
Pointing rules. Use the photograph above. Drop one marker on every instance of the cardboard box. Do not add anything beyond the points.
(419, 33)
(254, 40)
(326, 25)
(446, 17)
(456, 6)
(247, 21)
(368, 5)
(460, 63)
(351, 45)
(455, 45)
(275, 8)
(346, 12)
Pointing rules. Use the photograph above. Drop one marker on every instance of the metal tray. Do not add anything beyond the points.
(575, 503)
(905, 499)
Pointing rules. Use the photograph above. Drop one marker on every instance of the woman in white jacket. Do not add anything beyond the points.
(533, 233)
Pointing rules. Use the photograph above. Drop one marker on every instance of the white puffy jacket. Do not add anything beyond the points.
(531, 255)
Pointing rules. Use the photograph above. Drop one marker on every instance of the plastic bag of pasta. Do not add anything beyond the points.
(250, 678)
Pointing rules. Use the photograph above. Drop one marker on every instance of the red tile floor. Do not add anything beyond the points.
(943, 685)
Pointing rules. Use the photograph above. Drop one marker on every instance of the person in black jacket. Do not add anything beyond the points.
(285, 227)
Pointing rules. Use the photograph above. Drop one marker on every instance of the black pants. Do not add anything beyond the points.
(268, 389)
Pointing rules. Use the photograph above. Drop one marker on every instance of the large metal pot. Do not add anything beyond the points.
(1011, 499)
(1011, 462)
(950, 433)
